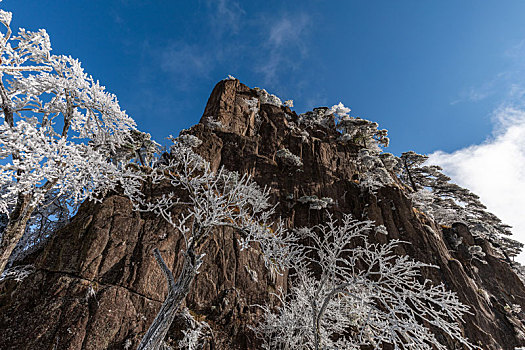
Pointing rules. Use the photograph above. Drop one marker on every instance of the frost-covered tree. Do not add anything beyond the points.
(447, 202)
(60, 136)
(363, 133)
(414, 172)
(358, 131)
(53, 212)
(139, 148)
(319, 117)
(373, 173)
(210, 200)
(409, 161)
(348, 293)
(289, 159)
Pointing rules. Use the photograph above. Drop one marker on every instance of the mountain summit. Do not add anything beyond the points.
(95, 284)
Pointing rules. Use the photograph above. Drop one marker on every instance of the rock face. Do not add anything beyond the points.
(96, 284)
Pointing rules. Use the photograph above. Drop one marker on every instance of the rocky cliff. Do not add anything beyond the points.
(95, 285)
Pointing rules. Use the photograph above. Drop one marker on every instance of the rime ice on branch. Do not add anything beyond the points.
(431, 190)
(348, 293)
(211, 200)
(64, 138)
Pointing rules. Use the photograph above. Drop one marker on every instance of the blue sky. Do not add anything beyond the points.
(445, 76)
(422, 69)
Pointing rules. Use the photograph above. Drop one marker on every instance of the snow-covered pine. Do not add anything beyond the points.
(62, 135)
(340, 110)
(267, 98)
(372, 171)
(288, 158)
(410, 169)
(476, 252)
(253, 104)
(447, 203)
(187, 140)
(389, 161)
(363, 132)
(318, 117)
(214, 124)
(316, 203)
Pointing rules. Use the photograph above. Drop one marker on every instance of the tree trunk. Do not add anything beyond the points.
(6, 106)
(177, 291)
(414, 187)
(16, 224)
(15, 229)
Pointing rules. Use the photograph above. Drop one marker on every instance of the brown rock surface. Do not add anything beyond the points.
(97, 286)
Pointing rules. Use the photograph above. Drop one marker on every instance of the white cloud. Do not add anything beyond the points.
(497, 84)
(286, 32)
(184, 62)
(226, 16)
(495, 169)
(507, 84)
(285, 39)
